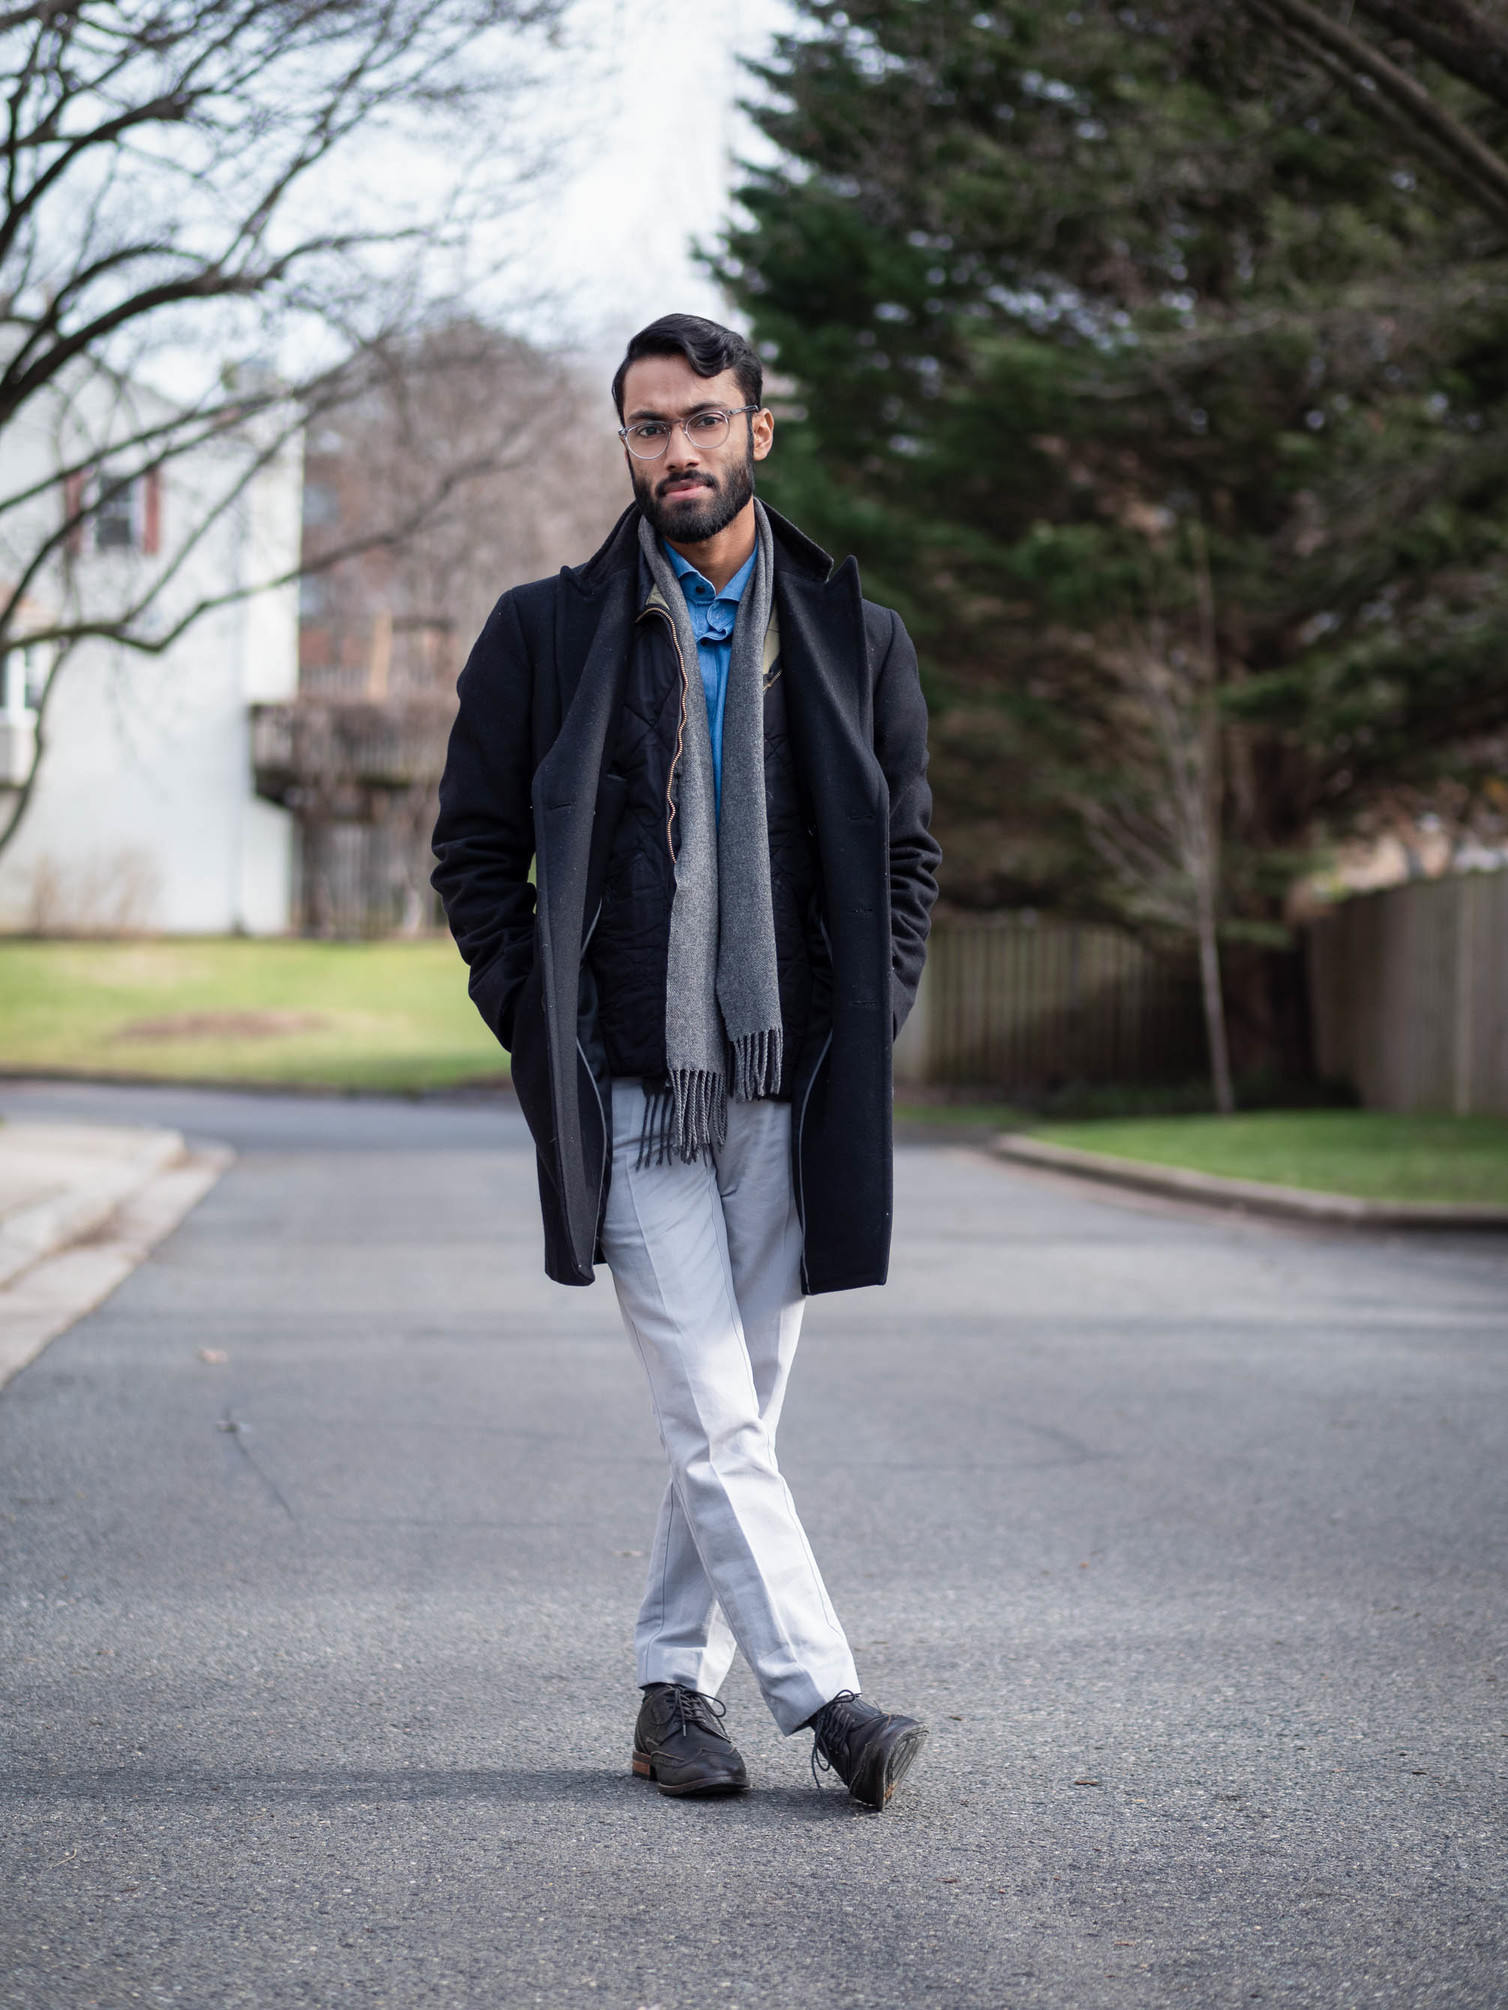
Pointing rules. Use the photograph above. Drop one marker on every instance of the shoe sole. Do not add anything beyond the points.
(899, 1760)
(643, 1769)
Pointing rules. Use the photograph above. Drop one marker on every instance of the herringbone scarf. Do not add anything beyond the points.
(722, 995)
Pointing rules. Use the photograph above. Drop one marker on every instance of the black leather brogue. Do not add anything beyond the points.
(680, 1743)
(870, 1751)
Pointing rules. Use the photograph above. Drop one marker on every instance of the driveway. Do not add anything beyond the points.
(1185, 1534)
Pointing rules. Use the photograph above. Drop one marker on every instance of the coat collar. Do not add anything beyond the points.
(619, 553)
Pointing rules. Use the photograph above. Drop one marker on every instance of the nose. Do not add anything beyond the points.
(686, 456)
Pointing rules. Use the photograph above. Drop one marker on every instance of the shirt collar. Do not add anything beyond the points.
(734, 590)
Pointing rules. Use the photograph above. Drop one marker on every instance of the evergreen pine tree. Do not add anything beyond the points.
(1166, 394)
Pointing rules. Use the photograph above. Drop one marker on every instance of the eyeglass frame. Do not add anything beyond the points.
(730, 413)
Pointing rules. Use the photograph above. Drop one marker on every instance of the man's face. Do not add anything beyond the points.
(692, 492)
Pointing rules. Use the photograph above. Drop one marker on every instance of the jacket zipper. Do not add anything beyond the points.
(601, 1112)
(680, 731)
(602, 1119)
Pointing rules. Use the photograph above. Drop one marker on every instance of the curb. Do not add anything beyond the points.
(81, 1205)
(1248, 1196)
(479, 1086)
(60, 1182)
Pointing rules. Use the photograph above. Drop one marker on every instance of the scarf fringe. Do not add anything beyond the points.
(657, 1131)
(701, 1112)
(758, 1060)
(686, 1116)
(685, 1119)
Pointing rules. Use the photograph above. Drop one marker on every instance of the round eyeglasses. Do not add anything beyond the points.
(648, 440)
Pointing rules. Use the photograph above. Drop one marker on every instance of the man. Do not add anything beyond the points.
(714, 755)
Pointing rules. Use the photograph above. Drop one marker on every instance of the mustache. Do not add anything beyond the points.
(680, 481)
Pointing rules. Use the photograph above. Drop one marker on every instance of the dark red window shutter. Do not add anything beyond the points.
(151, 510)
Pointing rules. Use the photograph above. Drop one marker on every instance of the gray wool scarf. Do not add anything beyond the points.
(722, 995)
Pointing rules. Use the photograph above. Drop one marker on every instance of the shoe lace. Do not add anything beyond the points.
(830, 1722)
(705, 1712)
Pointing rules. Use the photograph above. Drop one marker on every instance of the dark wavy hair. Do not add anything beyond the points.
(707, 346)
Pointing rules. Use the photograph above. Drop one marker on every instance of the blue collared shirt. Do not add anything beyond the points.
(712, 617)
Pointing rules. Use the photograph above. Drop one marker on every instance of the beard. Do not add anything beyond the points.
(697, 517)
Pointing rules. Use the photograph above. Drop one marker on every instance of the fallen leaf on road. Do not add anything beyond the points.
(1089, 1783)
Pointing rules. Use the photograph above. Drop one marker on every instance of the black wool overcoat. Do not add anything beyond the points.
(527, 781)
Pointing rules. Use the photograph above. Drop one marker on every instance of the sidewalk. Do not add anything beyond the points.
(80, 1206)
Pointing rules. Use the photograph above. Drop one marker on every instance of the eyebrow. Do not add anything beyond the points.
(651, 412)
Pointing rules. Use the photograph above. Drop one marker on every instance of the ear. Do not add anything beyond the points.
(762, 426)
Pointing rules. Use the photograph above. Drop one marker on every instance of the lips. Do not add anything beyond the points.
(685, 486)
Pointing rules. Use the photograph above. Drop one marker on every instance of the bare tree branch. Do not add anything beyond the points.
(1460, 38)
(160, 172)
(1310, 26)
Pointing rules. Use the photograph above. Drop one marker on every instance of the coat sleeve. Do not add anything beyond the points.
(484, 838)
(900, 741)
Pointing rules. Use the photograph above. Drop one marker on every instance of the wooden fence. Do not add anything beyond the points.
(1019, 1002)
(1409, 991)
(365, 879)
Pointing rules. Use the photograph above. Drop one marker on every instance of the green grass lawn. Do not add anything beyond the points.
(1369, 1153)
(964, 1117)
(345, 1015)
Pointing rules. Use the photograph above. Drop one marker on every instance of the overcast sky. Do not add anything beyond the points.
(645, 102)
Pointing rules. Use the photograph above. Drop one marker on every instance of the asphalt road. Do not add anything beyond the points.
(1186, 1535)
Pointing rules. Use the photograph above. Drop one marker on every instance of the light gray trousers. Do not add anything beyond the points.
(706, 1260)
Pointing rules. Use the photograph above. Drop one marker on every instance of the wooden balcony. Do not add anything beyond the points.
(333, 756)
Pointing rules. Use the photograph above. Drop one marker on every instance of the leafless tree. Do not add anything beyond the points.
(544, 479)
(186, 179)
(358, 755)
(1156, 824)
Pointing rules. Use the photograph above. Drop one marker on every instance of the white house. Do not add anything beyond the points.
(143, 814)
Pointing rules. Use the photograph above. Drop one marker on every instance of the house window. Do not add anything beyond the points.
(13, 691)
(36, 666)
(106, 514)
(115, 526)
(23, 677)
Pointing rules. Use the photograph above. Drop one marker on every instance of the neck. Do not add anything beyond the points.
(718, 558)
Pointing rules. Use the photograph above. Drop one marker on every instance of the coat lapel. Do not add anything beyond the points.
(825, 657)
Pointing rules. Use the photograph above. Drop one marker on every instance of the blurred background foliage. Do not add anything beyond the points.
(1155, 365)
